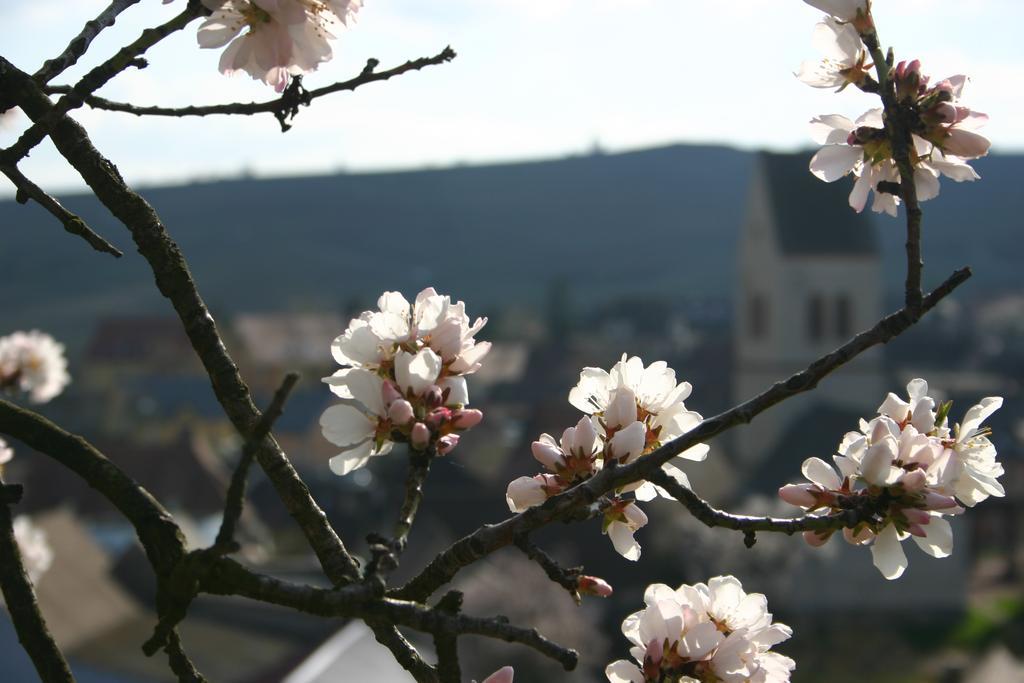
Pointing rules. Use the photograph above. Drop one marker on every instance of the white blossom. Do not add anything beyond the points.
(6, 452)
(844, 10)
(527, 492)
(631, 392)
(704, 632)
(404, 378)
(907, 465)
(33, 362)
(974, 456)
(621, 522)
(36, 554)
(844, 57)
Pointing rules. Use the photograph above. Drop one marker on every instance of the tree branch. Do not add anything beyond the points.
(419, 468)
(71, 222)
(713, 517)
(566, 578)
(284, 107)
(175, 282)
(22, 605)
(489, 538)
(160, 536)
(403, 651)
(97, 78)
(447, 643)
(224, 576)
(236, 489)
(900, 136)
(80, 43)
(180, 664)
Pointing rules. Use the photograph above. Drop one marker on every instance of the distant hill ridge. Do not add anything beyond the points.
(661, 222)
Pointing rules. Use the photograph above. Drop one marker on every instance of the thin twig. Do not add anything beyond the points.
(489, 538)
(180, 664)
(403, 651)
(567, 578)
(419, 468)
(175, 282)
(225, 576)
(80, 43)
(447, 643)
(22, 605)
(434, 621)
(236, 490)
(280, 106)
(714, 517)
(97, 78)
(71, 222)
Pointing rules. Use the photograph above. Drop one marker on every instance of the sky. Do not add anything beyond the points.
(533, 79)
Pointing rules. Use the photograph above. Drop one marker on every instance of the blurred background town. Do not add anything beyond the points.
(736, 267)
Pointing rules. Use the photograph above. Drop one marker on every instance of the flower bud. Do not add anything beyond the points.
(945, 112)
(917, 530)
(525, 492)
(390, 393)
(419, 436)
(654, 652)
(548, 454)
(502, 675)
(434, 396)
(799, 494)
(446, 443)
(937, 501)
(466, 419)
(914, 480)
(816, 539)
(916, 516)
(859, 538)
(400, 412)
(593, 585)
(437, 417)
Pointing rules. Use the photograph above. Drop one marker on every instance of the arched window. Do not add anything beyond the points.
(844, 316)
(757, 316)
(816, 318)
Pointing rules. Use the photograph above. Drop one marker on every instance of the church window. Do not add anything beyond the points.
(816, 318)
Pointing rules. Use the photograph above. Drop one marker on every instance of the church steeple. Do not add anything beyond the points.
(809, 277)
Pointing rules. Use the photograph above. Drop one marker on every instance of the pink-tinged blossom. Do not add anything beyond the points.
(273, 40)
(575, 456)
(657, 402)
(36, 554)
(502, 675)
(918, 409)
(527, 492)
(33, 363)
(910, 469)
(396, 384)
(704, 632)
(944, 138)
(593, 585)
(446, 443)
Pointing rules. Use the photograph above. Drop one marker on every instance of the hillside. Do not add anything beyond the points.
(661, 222)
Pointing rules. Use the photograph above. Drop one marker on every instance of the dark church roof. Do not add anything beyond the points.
(812, 217)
